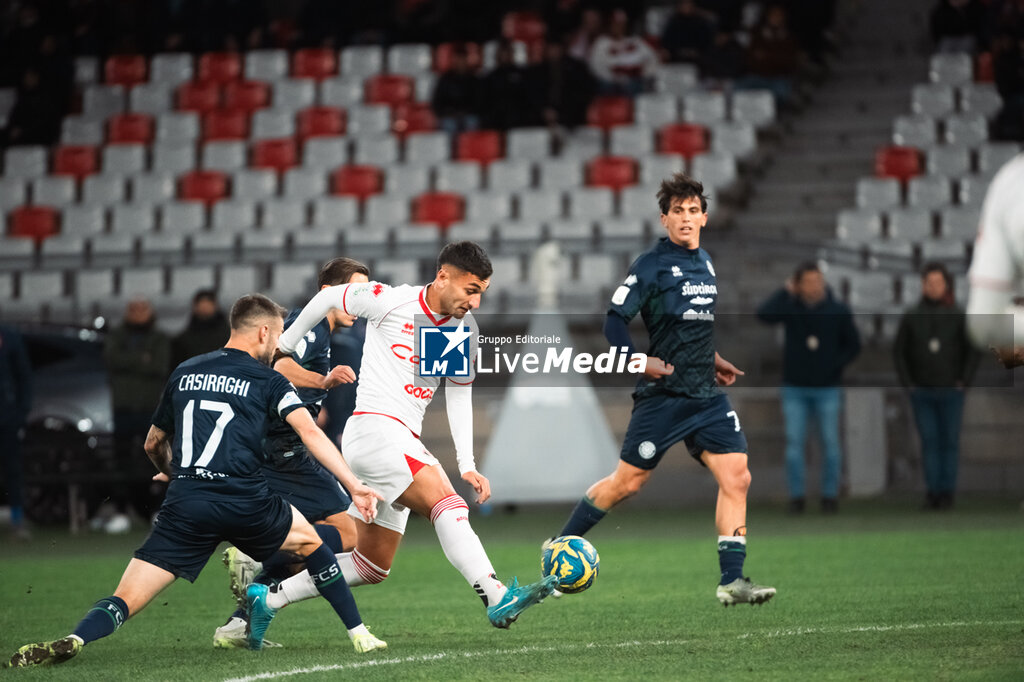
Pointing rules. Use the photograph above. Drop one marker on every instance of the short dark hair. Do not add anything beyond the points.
(205, 295)
(680, 186)
(252, 307)
(340, 271)
(467, 256)
(804, 268)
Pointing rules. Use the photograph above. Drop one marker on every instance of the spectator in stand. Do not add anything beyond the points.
(208, 329)
(560, 89)
(956, 25)
(688, 34)
(583, 38)
(623, 62)
(563, 18)
(503, 92)
(727, 14)
(35, 119)
(725, 62)
(1008, 67)
(773, 57)
(15, 404)
(456, 100)
(810, 21)
(935, 361)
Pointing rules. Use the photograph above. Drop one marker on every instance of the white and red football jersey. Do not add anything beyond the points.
(389, 381)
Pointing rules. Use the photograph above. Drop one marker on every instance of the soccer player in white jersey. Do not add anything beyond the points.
(994, 318)
(381, 439)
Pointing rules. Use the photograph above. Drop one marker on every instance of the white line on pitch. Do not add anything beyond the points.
(426, 658)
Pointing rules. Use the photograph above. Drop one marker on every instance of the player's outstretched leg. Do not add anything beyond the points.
(518, 598)
(242, 571)
(259, 614)
(46, 653)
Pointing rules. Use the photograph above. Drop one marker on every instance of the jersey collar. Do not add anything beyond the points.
(426, 309)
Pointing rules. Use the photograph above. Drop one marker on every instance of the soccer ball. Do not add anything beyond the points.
(573, 560)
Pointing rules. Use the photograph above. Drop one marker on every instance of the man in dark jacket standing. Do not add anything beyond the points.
(821, 340)
(15, 402)
(936, 361)
(207, 329)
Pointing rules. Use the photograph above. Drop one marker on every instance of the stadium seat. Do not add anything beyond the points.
(293, 94)
(103, 189)
(163, 249)
(716, 170)
(234, 215)
(949, 160)
(933, 99)
(704, 107)
(583, 143)
(980, 98)
(630, 141)
(78, 161)
(858, 225)
(984, 68)
(103, 101)
(442, 208)
(676, 79)
(341, 92)
(246, 95)
(483, 146)
(951, 68)
(172, 68)
(737, 138)
(406, 179)
(271, 123)
(375, 149)
(64, 250)
(53, 190)
(539, 204)
(125, 69)
(384, 209)
(124, 159)
(180, 127)
(34, 222)
(560, 173)
(959, 222)
(428, 147)
(655, 109)
(532, 144)
(132, 218)
(443, 55)
(685, 139)
(488, 207)
(409, 59)
(224, 155)
(253, 183)
(656, 167)
(916, 130)
(590, 203)
(320, 122)
(335, 211)
(13, 192)
(86, 70)
(390, 89)
(992, 155)
(458, 176)
(897, 162)
(413, 117)
(206, 186)
(910, 224)
(80, 130)
(526, 27)
(481, 233)
(152, 188)
(929, 192)
(200, 97)
(236, 280)
(756, 107)
(151, 98)
(613, 172)
(489, 54)
(369, 119)
(304, 183)
(25, 161)
(356, 180)
(84, 220)
(966, 129)
(220, 67)
(182, 217)
(131, 127)
(878, 193)
(225, 124)
(266, 65)
(174, 157)
(277, 154)
(610, 111)
(510, 175)
(315, 63)
(362, 60)
(282, 213)
(325, 153)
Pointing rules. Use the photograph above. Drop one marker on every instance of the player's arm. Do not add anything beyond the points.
(321, 447)
(627, 301)
(158, 449)
(458, 400)
(361, 299)
(726, 373)
(304, 378)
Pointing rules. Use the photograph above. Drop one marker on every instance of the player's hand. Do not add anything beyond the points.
(1010, 357)
(342, 374)
(365, 499)
(726, 372)
(657, 368)
(162, 478)
(480, 484)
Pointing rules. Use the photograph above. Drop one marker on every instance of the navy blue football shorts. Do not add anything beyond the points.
(292, 473)
(189, 528)
(661, 421)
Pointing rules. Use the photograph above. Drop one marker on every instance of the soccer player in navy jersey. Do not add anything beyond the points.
(673, 286)
(205, 437)
(291, 471)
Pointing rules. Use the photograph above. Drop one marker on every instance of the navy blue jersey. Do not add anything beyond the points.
(313, 352)
(674, 289)
(218, 406)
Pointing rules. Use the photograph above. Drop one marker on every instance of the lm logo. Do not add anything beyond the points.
(444, 351)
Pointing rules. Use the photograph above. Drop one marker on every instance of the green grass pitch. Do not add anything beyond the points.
(880, 592)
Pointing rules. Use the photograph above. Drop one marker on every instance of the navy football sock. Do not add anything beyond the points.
(326, 573)
(103, 618)
(731, 554)
(584, 517)
(330, 537)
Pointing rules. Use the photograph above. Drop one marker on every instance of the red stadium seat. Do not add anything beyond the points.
(125, 69)
(984, 68)
(389, 88)
(479, 145)
(130, 128)
(322, 121)
(443, 56)
(225, 124)
(220, 67)
(246, 95)
(200, 97)
(686, 139)
(609, 111)
(34, 222)
(76, 160)
(280, 154)
(413, 117)
(357, 181)
(318, 63)
(527, 27)
(442, 208)
(898, 162)
(614, 172)
(205, 186)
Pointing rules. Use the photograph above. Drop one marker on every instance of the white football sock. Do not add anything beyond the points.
(290, 590)
(461, 545)
(358, 570)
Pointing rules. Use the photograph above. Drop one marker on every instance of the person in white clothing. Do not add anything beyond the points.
(995, 319)
(381, 439)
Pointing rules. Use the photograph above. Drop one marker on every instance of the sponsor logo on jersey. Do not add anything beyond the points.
(444, 351)
(404, 352)
(702, 315)
(409, 328)
(699, 289)
(711, 268)
(419, 392)
(647, 449)
(676, 272)
(377, 290)
(700, 300)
